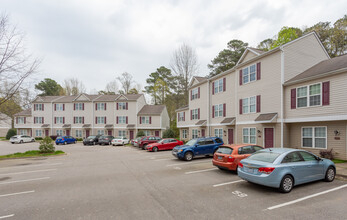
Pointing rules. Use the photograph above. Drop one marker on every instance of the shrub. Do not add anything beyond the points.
(140, 134)
(46, 145)
(11, 132)
(169, 133)
(38, 138)
(328, 154)
(79, 139)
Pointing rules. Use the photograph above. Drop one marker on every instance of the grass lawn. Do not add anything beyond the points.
(31, 153)
(339, 161)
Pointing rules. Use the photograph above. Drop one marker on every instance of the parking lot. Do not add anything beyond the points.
(105, 182)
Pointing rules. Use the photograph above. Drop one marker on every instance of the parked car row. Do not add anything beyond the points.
(19, 139)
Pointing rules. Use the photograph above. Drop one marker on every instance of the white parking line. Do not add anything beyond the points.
(228, 183)
(36, 165)
(163, 159)
(6, 216)
(306, 197)
(33, 171)
(186, 163)
(28, 180)
(19, 193)
(200, 171)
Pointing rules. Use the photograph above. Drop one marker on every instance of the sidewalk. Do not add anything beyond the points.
(341, 170)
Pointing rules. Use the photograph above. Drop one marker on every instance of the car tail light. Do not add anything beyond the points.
(240, 165)
(62, 138)
(231, 159)
(266, 170)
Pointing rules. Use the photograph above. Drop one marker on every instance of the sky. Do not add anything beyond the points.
(96, 41)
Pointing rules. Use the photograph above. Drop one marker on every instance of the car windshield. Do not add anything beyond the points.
(191, 142)
(225, 150)
(161, 141)
(269, 157)
(118, 138)
(90, 137)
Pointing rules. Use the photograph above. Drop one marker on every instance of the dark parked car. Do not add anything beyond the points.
(105, 140)
(197, 147)
(65, 140)
(148, 140)
(91, 140)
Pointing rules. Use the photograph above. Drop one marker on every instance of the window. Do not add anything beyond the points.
(122, 133)
(78, 106)
(100, 106)
(209, 141)
(195, 93)
(59, 107)
(307, 156)
(246, 150)
(38, 133)
(101, 132)
(218, 140)
(144, 119)
(122, 119)
(195, 114)
(78, 133)
(184, 134)
(292, 157)
(38, 120)
(23, 132)
(78, 120)
(122, 105)
(38, 107)
(249, 74)
(59, 132)
(181, 116)
(100, 120)
(249, 105)
(194, 133)
(20, 120)
(147, 133)
(218, 132)
(309, 95)
(249, 136)
(315, 137)
(218, 86)
(59, 120)
(218, 110)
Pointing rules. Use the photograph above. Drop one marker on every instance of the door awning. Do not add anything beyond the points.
(228, 121)
(201, 123)
(266, 118)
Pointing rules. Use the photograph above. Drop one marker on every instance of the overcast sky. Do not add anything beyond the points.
(96, 41)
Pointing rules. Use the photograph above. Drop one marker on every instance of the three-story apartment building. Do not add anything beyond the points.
(84, 115)
(277, 98)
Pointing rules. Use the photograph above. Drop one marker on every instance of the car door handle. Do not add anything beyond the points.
(293, 167)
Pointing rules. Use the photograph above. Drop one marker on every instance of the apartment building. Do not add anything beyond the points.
(5, 124)
(84, 115)
(291, 96)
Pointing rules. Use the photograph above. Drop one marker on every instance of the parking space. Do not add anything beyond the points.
(106, 182)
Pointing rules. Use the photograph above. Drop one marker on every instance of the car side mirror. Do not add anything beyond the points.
(197, 145)
(319, 159)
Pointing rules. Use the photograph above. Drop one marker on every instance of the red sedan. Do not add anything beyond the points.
(164, 144)
(227, 157)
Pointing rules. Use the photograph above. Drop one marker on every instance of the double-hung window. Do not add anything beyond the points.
(78, 133)
(309, 95)
(38, 133)
(181, 116)
(38, 120)
(249, 105)
(249, 74)
(122, 133)
(101, 132)
(218, 110)
(59, 120)
(100, 120)
(38, 107)
(218, 86)
(314, 137)
(122, 119)
(145, 120)
(59, 132)
(249, 136)
(195, 93)
(195, 114)
(218, 132)
(59, 107)
(194, 133)
(122, 105)
(78, 120)
(78, 106)
(147, 133)
(100, 106)
(184, 134)
(20, 120)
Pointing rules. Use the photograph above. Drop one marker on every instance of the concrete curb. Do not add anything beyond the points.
(16, 158)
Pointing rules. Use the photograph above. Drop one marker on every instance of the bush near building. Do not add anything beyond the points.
(169, 133)
(11, 132)
(46, 145)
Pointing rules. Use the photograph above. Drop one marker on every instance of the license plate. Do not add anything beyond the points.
(220, 158)
(249, 170)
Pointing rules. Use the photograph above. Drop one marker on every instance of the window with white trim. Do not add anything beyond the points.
(249, 105)
(78, 120)
(59, 120)
(314, 137)
(184, 134)
(100, 120)
(122, 105)
(249, 74)
(38, 107)
(218, 132)
(122, 119)
(100, 106)
(59, 107)
(38, 133)
(59, 132)
(101, 132)
(181, 116)
(310, 95)
(78, 106)
(122, 133)
(145, 120)
(38, 120)
(195, 114)
(249, 136)
(20, 120)
(23, 132)
(218, 110)
(195, 92)
(78, 133)
(218, 86)
(147, 133)
(195, 133)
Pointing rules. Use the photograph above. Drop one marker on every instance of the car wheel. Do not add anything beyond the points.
(188, 156)
(287, 184)
(330, 174)
(144, 147)
(21, 142)
(84, 144)
(12, 142)
(154, 149)
(75, 142)
(32, 140)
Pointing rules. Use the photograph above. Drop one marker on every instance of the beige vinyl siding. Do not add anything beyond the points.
(248, 56)
(268, 87)
(47, 113)
(187, 121)
(87, 113)
(260, 136)
(301, 55)
(338, 99)
(201, 103)
(337, 145)
(130, 113)
(165, 120)
(154, 125)
(109, 114)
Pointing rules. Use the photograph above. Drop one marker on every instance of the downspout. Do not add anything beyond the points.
(236, 108)
(52, 118)
(282, 103)
(93, 119)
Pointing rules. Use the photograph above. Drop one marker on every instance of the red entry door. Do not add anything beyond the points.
(67, 132)
(269, 137)
(131, 135)
(109, 132)
(46, 133)
(87, 133)
(157, 133)
(230, 136)
(202, 132)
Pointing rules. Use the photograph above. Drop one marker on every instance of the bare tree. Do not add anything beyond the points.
(185, 65)
(126, 81)
(15, 64)
(73, 86)
(112, 87)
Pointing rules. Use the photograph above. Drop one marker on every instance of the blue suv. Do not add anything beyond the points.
(197, 147)
(65, 140)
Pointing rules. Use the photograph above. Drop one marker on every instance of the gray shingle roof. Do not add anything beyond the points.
(269, 117)
(26, 112)
(228, 120)
(201, 122)
(151, 110)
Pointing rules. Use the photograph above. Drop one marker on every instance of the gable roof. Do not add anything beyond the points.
(199, 80)
(322, 69)
(26, 112)
(46, 98)
(151, 110)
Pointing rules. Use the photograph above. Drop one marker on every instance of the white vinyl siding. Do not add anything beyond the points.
(314, 137)
(249, 136)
